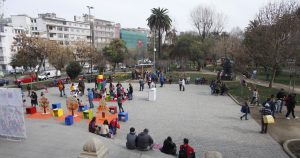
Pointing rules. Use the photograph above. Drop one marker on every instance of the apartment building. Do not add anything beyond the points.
(7, 34)
(50, 26)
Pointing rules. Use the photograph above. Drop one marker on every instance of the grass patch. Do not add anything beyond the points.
(283, 79)
(240, 92)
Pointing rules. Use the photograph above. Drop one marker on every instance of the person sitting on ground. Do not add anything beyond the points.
(169, 147)
(92, 125)
(144, 141)
(113, 126)
(104, 131)
(185, 150)
(131, 139)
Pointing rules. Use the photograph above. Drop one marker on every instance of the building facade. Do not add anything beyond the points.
(50, 26)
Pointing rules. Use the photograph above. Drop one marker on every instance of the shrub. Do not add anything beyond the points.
(73, 69)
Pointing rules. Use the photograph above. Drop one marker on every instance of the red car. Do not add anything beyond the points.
(26, 79)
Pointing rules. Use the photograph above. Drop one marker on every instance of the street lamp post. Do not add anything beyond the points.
(91, 37)
(154, 50)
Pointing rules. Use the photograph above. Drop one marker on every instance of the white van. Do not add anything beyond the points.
(49, 74)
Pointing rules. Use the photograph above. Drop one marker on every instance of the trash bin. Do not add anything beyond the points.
(152, 94)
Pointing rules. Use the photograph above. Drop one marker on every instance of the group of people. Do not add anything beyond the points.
(272, 106)
(106, 129)
(218, 87)
(143, 141)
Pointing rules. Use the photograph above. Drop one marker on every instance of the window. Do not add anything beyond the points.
(52, 34)
(32, 28)
(64, 23)
(59, 28)
(50, 28)
(60, 35)
(34, 20)
(66, 36)
(66, 29)
(35, 28)
(31, 20)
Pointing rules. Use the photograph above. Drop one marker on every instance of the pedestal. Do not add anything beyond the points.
(152, 94)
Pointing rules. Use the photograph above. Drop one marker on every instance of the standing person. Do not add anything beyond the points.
(130, 92)
(144, 141)
(162, 80)
(254, 99)
(81, 87)
(90, 97)
(291, 102)
(183, 84)
(265, 110)
(254, 74)
(170, 79)
(63, 88)
(96, 83)
(186, 151)
(180, 83)
(120, 103)
(131, 139)
(34, 98)
(104, 131)
(60, 88)
(280, 98)
(149, 81)
(272, 105)
(142, 83)
(28, 89)
(169, 147)
(245, 109)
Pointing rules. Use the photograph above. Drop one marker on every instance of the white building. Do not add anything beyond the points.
(55, 28)
(7, 34)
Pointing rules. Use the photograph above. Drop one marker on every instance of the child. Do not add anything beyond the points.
(245, 109)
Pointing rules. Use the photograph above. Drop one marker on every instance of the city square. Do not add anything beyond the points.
(210, 122)
(149, 79)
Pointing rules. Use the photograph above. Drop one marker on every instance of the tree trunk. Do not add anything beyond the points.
(198, 65)
(273, 77)
(44, 109)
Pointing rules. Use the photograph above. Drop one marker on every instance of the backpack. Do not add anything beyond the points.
(183, 152)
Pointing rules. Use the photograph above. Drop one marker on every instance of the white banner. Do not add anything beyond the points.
(12, 122)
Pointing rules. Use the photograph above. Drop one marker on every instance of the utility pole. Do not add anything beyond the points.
(154, 50)
(91, 37)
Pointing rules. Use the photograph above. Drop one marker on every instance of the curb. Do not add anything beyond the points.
(233, 98)
(287, 150)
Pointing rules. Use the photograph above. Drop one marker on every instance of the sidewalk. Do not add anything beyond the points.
(259, 82)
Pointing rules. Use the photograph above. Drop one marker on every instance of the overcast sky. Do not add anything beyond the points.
(133, 13)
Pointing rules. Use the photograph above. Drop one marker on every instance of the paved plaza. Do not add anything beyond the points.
(210, 122)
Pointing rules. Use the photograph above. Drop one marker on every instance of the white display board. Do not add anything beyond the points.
(12, 123)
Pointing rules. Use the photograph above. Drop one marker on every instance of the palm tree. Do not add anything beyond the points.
(159, 21)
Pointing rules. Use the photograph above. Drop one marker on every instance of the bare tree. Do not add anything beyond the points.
(206, 20)
(82, 52)
(60, 56)
(268, 37)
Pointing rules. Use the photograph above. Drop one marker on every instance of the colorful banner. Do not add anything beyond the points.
(12, 122)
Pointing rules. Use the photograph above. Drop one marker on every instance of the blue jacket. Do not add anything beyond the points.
(90, 94)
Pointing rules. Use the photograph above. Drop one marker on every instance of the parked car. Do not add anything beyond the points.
(26, 79)
(3, 82)
(16, 71)
(49, 74)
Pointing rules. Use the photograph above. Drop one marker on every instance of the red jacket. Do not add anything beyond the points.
(190, 150)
